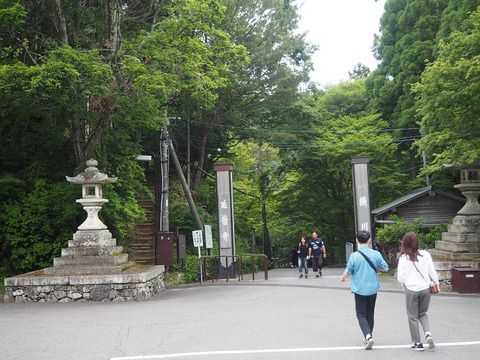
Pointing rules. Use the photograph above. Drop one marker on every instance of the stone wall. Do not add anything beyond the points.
(126, 287)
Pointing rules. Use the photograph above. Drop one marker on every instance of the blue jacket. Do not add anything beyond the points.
(364, 279)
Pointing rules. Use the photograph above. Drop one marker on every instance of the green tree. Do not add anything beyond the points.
(448, 100)
(359, 71)
(408, 40)
(90, 79)
(317, 189)
(279, 60)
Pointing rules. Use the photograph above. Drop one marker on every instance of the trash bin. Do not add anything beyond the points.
(466, 280)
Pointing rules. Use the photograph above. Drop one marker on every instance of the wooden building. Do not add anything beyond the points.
(434, 206)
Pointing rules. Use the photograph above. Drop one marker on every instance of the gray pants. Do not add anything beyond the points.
(417, 307)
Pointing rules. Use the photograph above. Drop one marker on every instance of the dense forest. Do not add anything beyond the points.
(100, 78)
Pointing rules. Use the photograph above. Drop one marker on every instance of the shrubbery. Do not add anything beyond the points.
(390, 236)
(37, 226)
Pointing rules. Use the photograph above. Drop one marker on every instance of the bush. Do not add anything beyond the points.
(192, 271)
(390, 236)
(434, 234)
(35, 228)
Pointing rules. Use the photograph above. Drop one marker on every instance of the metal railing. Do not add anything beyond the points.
(230, 267)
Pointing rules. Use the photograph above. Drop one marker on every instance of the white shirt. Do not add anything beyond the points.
(408, 276)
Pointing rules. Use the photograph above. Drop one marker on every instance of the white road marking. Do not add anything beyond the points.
(272, 351)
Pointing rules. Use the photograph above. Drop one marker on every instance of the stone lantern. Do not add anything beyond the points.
(92, 267)
(470, 188)
(460, 245)
(92, 250)
(92, 199)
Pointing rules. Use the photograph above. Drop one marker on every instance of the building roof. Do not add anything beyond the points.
(414, 194)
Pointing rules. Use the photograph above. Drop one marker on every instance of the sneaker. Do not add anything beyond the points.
(369, 343)
(301, 276)
(418, 347)
(306, 276)
(317, 276)
(430, 342)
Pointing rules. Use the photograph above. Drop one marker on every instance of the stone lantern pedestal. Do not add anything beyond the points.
(92, 267)
(460, 245)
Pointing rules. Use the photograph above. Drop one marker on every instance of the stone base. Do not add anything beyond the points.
(454, 256)
(90, 252)
(444, 267)
(86, 269)
(137, 283)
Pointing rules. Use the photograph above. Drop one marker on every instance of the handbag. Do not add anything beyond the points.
(434, 287)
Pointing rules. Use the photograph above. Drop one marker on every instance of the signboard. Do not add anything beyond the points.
(197, 238)
(208, 237)
(361, 195)
(225, 208)
(198, 243)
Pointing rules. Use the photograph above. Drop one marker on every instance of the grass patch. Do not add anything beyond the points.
(174, 278)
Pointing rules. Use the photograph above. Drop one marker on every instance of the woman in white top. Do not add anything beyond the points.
(416, 272)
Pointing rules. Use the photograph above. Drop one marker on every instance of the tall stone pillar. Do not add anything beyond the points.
(361, 194)
(226, 228)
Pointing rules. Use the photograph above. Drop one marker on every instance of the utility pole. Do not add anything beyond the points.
(188, 151)
(164, 171)
(185, 187)
(267, 248)
(424, 158)
(163, 238)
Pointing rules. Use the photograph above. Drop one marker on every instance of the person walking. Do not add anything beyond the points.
(416, 273)
(302, 251)
(363, 265)
(317, 253)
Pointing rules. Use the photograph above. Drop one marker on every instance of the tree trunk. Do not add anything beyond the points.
(413, 163)
(201, 158)
(156, 10)
(113, 20)
(78, 143)
(203, 151)
(62, 21)
(87, 136)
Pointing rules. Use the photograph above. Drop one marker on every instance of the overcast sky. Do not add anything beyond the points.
(343, 30)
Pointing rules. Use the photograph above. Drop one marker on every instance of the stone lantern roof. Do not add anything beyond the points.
(91, 175)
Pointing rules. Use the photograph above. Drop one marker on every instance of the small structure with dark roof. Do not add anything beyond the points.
(433, 206)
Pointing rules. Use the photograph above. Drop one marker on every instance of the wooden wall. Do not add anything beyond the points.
(434, 210)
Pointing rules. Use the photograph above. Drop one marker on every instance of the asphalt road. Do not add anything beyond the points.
(281, 318)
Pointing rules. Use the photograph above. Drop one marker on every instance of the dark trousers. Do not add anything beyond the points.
(365, 309)
(317, 262)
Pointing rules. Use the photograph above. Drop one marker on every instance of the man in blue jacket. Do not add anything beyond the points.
(362, 266)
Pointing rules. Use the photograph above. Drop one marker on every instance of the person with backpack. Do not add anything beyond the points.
(302, 251)
(317, 253)
(362, 266)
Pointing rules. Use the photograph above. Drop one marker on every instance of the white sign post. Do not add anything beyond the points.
(208, 238)
(198, 243)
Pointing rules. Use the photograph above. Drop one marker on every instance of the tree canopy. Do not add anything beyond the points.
(229, 80)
